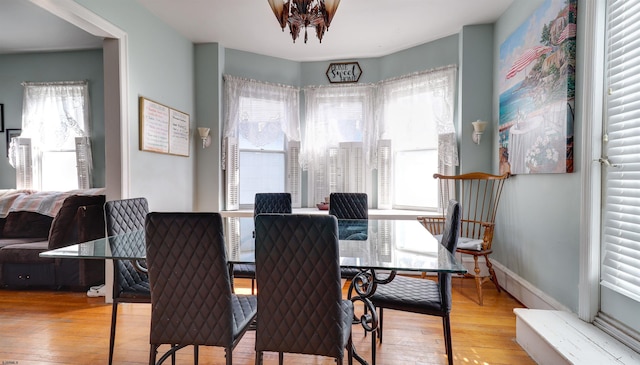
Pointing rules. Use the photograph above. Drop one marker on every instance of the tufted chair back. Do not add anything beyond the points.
(299, 289)
(449, 240)
(191, 298)
(272, 203)
(125, 216)
(130, 284)
(349, 205)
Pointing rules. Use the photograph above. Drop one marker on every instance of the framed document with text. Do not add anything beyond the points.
(163, 129)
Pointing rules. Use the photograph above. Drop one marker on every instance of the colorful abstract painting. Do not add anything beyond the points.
(537, 91)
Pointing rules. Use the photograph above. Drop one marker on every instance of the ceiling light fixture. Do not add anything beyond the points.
(304, 13)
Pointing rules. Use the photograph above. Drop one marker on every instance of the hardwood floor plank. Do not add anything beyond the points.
(47, 328)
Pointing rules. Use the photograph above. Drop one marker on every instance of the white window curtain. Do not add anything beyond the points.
(53, 116)
(336, 115)
(240, 90)
(416, 115)
(433, 92)
(261, 121)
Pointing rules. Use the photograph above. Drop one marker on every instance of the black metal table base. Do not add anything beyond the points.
(364, 285)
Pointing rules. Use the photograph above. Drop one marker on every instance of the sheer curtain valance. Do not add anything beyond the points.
(258, 111)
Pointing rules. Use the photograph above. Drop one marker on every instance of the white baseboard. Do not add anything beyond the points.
(527, 294)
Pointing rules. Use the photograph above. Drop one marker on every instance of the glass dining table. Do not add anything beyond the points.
(378, 247)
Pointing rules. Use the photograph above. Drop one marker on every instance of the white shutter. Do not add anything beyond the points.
(384, 174)
(232, 236)
(293, 173)
(621, 223)
(333, 169)
(318, 182)
(232, 174)
(83, 162)
(24, 163)
(351, 169)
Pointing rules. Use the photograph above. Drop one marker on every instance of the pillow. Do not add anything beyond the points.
(63, 229)
(26, 224)
(465, 243)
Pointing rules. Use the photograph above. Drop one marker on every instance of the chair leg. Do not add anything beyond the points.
(152, 354)
(112, 336)
(196, 355)
(258, 357)
(280, 358)
(478, 278)
(447, 338)
(492, 272)
(350, 349)
(229, 355)
(253, 284)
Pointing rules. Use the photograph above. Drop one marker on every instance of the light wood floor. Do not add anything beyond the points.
(46, 327)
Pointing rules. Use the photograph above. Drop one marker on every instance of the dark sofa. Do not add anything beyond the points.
(33, 222)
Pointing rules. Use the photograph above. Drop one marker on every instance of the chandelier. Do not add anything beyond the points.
(304, 13)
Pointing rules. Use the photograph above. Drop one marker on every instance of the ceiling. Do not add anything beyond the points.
(360, 28)
(25, 27)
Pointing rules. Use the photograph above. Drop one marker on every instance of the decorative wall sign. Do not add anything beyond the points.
(163, 129)
(537, 91)
(344, 72)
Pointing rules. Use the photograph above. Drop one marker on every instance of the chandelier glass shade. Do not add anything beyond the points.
(299, 14)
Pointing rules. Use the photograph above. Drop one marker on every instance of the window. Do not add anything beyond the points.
(261, 143)
(53, 151)
(401, 127)
(620, 271)
(336, 150)
(417, 118)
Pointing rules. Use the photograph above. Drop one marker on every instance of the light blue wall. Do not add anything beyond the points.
(42, 67)
(262, 68)
(161, 68)
(209, 59)
(441, 52)
(475, 97)
(537, 227)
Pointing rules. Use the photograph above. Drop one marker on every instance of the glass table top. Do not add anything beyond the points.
(374, 243)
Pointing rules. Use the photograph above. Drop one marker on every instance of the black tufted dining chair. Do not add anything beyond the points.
(348, 206)
(263, 203)
(130, 285)
(299, 290)
(423, 296)
(192, 302)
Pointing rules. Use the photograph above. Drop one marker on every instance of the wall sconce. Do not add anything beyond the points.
(204, 135)
(478, 129)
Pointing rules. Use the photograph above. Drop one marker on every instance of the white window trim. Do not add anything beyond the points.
(591, 72)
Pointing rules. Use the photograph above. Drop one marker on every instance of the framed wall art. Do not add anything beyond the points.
(1, 117)
(537, 92)
(163, 129)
